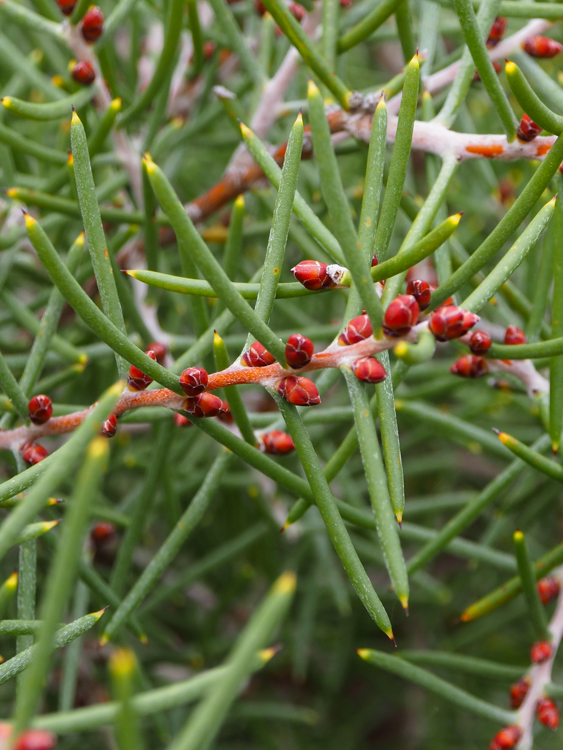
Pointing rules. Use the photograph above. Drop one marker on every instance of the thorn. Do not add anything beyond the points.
(144, 640)
(494, 429)
(392, 639)
(284, 527)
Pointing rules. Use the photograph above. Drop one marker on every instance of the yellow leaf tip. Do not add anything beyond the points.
(286, 583)
(510, 67)
(12, 581)
(312, 88)
(99, 447)
(268, 653)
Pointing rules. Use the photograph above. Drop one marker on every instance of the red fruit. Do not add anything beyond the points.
(257, 356)
(137, 380)
(299, 351)
(40, 409)
(548, 589)
(66, 6)
(527, 130)
(313, 275)
(357, 330)
(469, 366)
(369, 370)
(506, 738)
(181, 420)
(102, 532)
(297, 11)
(374, 261)
(480, 342)
(421, 291)
(36, 739)
(541, 651)
(518, 692)
(160, 351)
(514, 336)
(401, 315)
(109, 427)
(204, 405)
(194, 381)
(83, 73)
(497, 31)
(547, 713)
(541, 46)
(299, 391)
(277, 443)
(92, 24)
(451, 322)
(32, 453)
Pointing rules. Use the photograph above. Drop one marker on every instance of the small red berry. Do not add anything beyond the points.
(102, 532)
(548, 589)
(369, 370)
(92, 24)
(469, 366)
(277, 443)
(506, 738)
(451, 322)
(160, 350)
(541, 46)
(257, 356)
(299, 351)
(194, 381)
(40, 409)
(357, 330)
(32, 453)
(480, 342)
(374, 261)
(541, 651)
(518, 692)
(401, 315)
(514, 336)
(83, 73)
(137, 380)
(313, 275)
(181, 420)
(421, 291)
(66, 6)
(109, 427)
(547, 713)
(36, 739)
(299, 391)
(527, 130)
(497, 31)
(204, 405)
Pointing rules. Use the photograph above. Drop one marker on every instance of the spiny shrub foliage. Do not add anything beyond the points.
(253, 360)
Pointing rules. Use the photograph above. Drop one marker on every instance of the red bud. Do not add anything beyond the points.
(299, 351)
(527, 130)
(277, 443)
(497, 31)
(548, 589)
(541, 46)
(506, 738)
(109, 427)
(357, 330)
(451, 322)
(541, 651)
(514, 336)
(480, 342)
(421, 291)
(369, 370)
(83, 73)
(225, 414)
(137, 380)
(66, 6)
(102, 532)
(257, 356)
(92, 24)
(496, 65)
(181, 420)
(469, 366)
(518, 692)
(547, 713)
(204, 405)
(299, 391)
(32, 453)
(401, 315)
(40, 409)
(194, 381)
(297, 11)
(160, 351)
(313, 275)
(36, 739)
